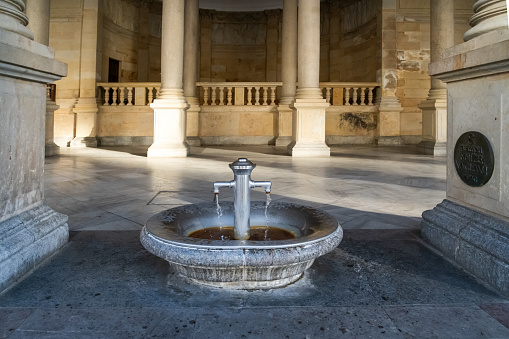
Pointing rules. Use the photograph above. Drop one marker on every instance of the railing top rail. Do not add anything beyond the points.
(238, 84)
(129, 84)
(348, 84)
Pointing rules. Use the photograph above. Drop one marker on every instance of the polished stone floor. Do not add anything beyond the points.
(382, 280)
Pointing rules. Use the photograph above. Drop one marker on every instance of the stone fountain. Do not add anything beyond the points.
(244, 244)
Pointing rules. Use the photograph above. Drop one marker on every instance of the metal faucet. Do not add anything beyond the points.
(242, 185)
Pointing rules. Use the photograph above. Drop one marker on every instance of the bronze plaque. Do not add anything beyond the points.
(474, 159)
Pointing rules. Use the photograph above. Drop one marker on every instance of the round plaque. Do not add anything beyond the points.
(474, 159)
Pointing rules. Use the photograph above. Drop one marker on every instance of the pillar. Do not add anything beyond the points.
(170, 105)
(490, 15)
(389, 119)
(30, 231)
(143, 42)
(471, 226)
(308, 120)
(86, 107)
(38, 12)
(288, 73)
(434, 108)
(191, 31)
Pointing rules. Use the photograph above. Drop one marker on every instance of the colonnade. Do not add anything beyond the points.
(179, 41)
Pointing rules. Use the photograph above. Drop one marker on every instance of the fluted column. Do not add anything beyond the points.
(288, 72)
(308, 122)
(191, 32)
(434, 108)
(38, 13)
(171, 105)
(490, 15)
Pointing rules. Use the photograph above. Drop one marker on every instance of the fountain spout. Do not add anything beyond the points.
(242, 185)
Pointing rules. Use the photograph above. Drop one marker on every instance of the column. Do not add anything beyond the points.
(389, 106)
(30, 231)
(171, 105)
(288, 73)
(490, 15)
(191, 31)
(471, 226)
(308, 120)
(143, 41)
(38, 12)
(86, 107)
(434, 108)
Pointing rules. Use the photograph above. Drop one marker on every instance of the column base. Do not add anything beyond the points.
(51, 149)
(283, 141)
(388, 141)
(477, 242)
(302, 150)
(193, 141)
(168, 151)
(429, 147)
(27, 239)
(83, 142)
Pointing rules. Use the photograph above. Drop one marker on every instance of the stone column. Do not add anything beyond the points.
(191, 31)
(288, 72)
(434, 108)
(490, 15)
(86, 107)
(143, 42)
(308, 121)
(389, 115)
(171, 105)
(38, 12)
(30, 231)
(471, 226)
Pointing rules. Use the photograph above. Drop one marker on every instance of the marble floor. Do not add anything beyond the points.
(363, 187)
(382, 281)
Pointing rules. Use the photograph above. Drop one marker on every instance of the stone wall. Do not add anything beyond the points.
(413, 44)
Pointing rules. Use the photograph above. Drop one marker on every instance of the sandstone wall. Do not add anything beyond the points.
(413, 44)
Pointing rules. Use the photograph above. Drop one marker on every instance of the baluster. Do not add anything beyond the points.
(327, 94)
(249, 96)
(213, 96)
(347, 96)
(370, 96)
(265, 96)
(221, 96)
(273, 96)
(362, 96)
(354, 92)
(106, 96)
(229, 95)
(257, 96)
(150, 95)
(205, 96)
(158, 89)
(121, 96)
(129, 96)
(114, 99)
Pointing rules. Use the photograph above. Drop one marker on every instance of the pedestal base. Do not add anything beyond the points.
(477, 242)
(84, 142)
(51, 149)
(388, 141)
(302, 150)
(283, 141)
(432, 148)
(168, 151)
(27, 239)
(193, 141)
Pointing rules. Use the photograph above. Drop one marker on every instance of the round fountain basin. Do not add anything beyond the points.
(241, 264)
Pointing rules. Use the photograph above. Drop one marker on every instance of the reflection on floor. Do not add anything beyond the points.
(382, 281)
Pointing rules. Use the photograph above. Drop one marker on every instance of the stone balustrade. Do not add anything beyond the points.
(349, 93)
(129, 93)
(239, 93)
